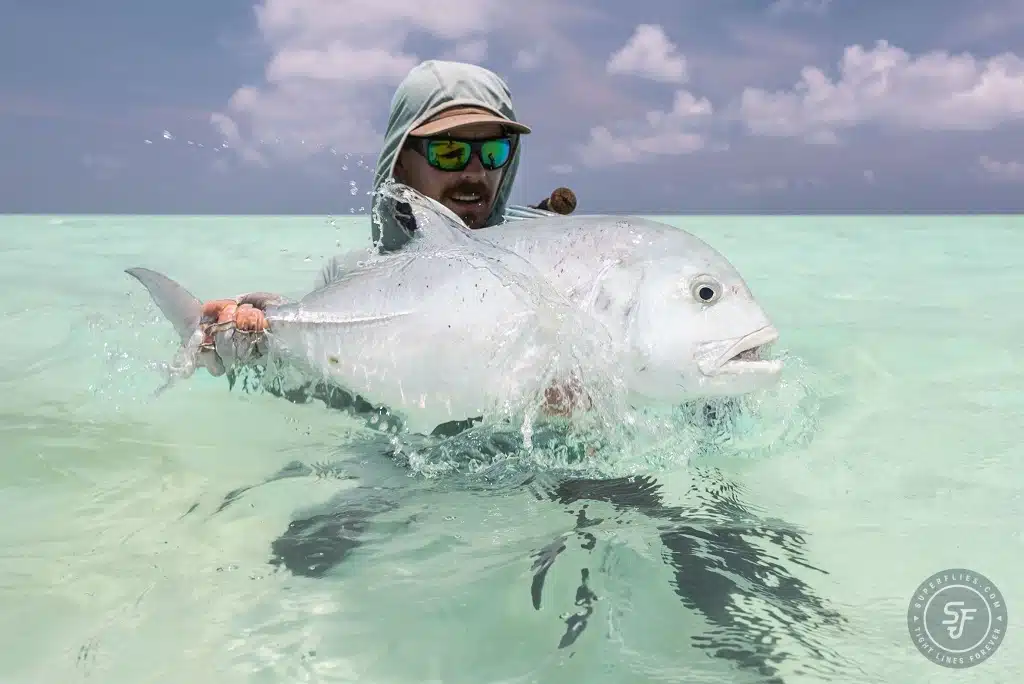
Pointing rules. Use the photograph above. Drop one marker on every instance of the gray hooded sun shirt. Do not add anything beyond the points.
(428, 89)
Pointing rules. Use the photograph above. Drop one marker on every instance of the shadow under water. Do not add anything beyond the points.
(722, 556)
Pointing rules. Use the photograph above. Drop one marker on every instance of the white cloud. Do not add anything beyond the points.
(649, 54)
(677, 131)
(1002, 171)
(228, 128)
(339, 63)
(335, 64)
(885, 85)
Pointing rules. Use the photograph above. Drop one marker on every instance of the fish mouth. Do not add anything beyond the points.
(745, 355)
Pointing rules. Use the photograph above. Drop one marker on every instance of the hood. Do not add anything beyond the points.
(429, 88)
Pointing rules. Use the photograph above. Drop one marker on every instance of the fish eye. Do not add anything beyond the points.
(706, 290)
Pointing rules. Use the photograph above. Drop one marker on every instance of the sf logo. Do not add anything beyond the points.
(958, 617)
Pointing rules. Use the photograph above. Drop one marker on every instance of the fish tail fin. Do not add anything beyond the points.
(176, 303)
(184, 312)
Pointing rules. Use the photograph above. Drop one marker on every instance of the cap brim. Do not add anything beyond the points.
(448, 123)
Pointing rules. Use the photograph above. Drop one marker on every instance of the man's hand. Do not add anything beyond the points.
(244, 314)
(564, 399)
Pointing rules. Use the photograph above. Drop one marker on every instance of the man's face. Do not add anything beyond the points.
(469, 193)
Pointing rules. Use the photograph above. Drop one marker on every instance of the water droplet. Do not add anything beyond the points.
(353, 190)
(148, 142)
(168, 136)
(344, 167)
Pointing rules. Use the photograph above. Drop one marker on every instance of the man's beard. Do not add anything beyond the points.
(467, 200)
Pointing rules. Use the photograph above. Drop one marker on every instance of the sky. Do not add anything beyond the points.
(647, 106)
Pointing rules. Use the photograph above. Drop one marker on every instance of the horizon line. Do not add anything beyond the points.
(723, 214)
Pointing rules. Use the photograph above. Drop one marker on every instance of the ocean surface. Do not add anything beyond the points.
(786, 547)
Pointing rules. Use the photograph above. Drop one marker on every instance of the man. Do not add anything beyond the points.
(453, 136)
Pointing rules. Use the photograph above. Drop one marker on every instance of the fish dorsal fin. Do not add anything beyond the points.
(174, 301)
(423, 219)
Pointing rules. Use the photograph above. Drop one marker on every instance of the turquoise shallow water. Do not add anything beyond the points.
(894, 445)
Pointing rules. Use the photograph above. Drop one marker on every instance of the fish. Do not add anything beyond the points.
(449, 329)
(460, 324)
(683, 321)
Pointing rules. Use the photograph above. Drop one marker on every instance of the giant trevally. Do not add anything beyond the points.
(461, 323)
(685, 323)
(450, 328)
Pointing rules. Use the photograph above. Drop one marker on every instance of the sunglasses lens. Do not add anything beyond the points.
(448, 155)
(495, 153)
